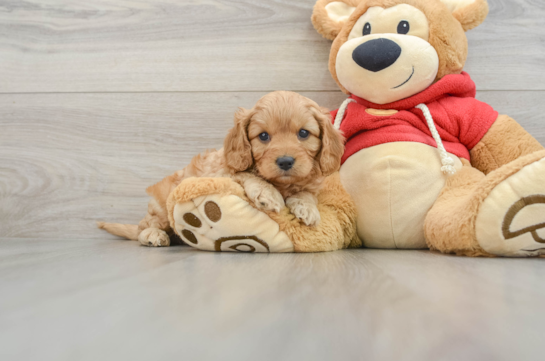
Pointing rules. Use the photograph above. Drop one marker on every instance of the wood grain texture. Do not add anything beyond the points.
(221, 45)
(115, 300)
(67, 160)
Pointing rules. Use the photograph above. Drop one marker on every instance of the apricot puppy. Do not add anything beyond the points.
(280, 152)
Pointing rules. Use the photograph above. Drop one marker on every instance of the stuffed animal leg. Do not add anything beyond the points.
(496, 208)
(214, 214)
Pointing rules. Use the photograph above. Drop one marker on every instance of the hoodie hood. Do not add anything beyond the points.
(460, 120)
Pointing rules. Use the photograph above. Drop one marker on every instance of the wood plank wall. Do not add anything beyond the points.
(99, 99)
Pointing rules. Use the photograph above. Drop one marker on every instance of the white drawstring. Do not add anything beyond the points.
(446, 160)
(340, 113)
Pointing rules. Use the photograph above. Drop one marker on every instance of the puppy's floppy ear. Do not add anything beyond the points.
(332, 142)
(237, 147)
(329, 16)
(470, 13)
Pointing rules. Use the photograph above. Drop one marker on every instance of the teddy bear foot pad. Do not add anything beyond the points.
(228, 224)
(511, 220)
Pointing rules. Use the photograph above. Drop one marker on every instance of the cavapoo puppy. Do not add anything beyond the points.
(280, 152)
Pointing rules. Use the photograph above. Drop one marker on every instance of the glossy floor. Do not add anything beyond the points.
(116, 300)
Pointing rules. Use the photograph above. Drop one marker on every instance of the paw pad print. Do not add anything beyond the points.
(212, 212)
(511, 219)
(228, 224)
(519, 208)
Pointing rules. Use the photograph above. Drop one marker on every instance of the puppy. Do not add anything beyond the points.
(280, 152)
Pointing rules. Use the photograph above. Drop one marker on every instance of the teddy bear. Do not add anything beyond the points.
(428, 165)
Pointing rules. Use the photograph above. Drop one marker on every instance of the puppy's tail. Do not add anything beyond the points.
(129, 231)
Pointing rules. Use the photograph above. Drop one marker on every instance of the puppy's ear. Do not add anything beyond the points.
(470, 13)
(329, 16)
(237, 148)
(332, 142)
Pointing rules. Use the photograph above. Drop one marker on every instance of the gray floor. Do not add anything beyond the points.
(115, 300)
(99, 99)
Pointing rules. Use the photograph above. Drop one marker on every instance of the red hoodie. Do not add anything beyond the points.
(461, 120)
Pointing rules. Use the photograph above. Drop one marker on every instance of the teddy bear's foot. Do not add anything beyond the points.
(228, 223)
(511, 219)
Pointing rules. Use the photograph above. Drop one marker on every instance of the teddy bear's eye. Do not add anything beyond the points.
(366, 29)
(403, 27)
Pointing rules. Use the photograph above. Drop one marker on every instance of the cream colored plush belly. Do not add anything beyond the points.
(394, 185)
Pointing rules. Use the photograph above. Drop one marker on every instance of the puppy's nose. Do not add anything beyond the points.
(285, 163)
(376, 55)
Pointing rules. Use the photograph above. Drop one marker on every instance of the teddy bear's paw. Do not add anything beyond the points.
(511, 220)
(229, 224)
(154, 237)
(307, 212)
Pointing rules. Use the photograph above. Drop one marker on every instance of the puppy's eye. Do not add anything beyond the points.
(264, 137)
(366, 29)
(303, 134)
(403, 27)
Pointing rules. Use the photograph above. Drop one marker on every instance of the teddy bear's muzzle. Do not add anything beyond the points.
(377, 54)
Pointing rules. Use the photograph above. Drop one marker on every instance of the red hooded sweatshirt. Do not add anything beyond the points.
(461, 120)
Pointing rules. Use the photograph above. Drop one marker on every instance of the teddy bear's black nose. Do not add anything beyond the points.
(376, 55)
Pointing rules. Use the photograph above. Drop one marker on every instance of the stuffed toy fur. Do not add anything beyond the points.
(428, 165)
(214, 214)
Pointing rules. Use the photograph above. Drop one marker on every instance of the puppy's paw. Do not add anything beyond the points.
(306, 212)
(266, 198)
(269, 199)
(154, 237)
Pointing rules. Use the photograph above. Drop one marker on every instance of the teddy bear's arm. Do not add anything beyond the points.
(504, 142)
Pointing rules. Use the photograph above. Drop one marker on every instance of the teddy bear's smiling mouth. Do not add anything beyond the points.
(406, 81)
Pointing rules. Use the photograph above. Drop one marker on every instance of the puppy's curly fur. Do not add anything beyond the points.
(251, 158)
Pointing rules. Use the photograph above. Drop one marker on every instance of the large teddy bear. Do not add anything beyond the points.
(427, 164)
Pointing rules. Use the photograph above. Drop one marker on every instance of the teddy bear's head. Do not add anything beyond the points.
(387, 50)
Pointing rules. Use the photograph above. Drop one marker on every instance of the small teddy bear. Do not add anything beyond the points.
(427, 164)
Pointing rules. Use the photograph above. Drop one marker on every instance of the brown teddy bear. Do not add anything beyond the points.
(427, 164)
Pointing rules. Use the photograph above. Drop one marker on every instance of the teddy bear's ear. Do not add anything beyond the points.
(329, 16)
(470, 13)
